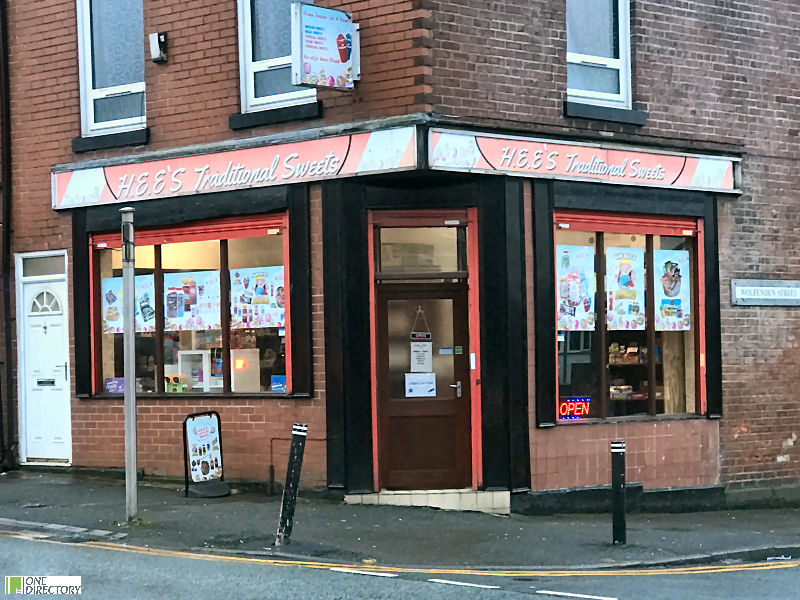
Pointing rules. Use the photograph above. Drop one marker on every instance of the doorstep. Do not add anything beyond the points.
(495, 502)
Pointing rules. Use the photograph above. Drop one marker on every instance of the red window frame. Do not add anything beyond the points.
(218, 229)
(608, 222)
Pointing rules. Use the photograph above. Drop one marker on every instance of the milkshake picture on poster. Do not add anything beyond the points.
(625, 286)
(576, 288)
(191, 301)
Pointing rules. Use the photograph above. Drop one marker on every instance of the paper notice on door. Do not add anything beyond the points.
(421, 357)
(420, 385)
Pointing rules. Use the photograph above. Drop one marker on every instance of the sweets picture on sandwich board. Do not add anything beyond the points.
(203, 446)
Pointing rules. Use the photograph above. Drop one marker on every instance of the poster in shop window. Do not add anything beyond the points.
(673, 288)
(625, 288)
(575, 288)
(191, 301)
(257, 297)
(111, 303)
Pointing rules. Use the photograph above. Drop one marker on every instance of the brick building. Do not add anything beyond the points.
(509, 239)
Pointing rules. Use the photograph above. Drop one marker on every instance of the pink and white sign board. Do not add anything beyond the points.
(325, 48)
(529, 157)
(280, 164)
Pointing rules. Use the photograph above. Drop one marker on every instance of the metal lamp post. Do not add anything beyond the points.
(129, 359)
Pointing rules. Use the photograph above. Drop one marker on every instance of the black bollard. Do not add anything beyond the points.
(618, 500)
(289, 498)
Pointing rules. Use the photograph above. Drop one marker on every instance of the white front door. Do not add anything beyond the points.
(44, 376)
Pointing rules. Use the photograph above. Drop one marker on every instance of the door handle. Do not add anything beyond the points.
(66, 373)
(457, 386)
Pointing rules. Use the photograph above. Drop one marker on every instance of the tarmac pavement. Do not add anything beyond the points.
(326, 529)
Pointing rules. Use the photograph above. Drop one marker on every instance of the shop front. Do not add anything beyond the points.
(457, 315)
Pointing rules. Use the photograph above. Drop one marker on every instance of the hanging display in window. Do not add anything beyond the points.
(672, 290)
(257, 297)
(576, 288)
(191, 301)
(144, 313)
(625, 288)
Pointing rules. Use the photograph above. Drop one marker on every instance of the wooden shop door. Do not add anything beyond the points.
(423, 391)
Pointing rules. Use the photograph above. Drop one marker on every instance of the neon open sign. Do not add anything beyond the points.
(574, 408)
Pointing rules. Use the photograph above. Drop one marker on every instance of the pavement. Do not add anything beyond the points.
(75, 507)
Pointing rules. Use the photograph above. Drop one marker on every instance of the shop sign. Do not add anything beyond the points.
(203, 445)
(530, 157)
(280, 164)
(325, 48)
(765, 292)
(573, 408)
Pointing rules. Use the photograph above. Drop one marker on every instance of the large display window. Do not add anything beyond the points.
(211, 309)
(628, 319)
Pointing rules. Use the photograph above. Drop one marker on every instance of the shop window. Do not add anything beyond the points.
(211, 310)
(111, 49)
(627, 317)
(598, 52)
(265, 61)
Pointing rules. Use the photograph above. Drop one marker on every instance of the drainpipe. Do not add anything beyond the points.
(6, 450)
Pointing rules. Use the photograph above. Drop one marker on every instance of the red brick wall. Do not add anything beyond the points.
(659, 454)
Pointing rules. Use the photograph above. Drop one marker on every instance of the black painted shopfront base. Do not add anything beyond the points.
(598, 500)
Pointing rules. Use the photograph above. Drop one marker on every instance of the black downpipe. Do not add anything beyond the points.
(6, 450)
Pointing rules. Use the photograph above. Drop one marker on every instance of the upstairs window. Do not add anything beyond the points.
(598, 52)
(111, 47)
(265, 56)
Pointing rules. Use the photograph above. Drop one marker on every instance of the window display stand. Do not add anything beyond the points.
(195, 366)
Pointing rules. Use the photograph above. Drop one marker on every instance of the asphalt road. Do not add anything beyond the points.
(108, 571)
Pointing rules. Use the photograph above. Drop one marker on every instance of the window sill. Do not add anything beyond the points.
(604, 113)
(184, 395)
(632, 419)
(138, 137)
(298, 112)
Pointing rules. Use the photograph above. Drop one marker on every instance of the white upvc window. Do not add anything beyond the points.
(265, 61)
(111, 49)
(598, 52)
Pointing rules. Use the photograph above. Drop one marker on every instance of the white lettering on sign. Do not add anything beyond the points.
(767, 292)
(531, 157)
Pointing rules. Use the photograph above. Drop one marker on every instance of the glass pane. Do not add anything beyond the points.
(192, 335)
(274, 81)
(258, 326)
(627, 339)
(578, 358)
(422, 249)
(110, 302)
(592, 27)
(42, 265)
(271, 28)
(421, 315)
(118, 107)
(117, 42)
(592, 79)
(673, 263)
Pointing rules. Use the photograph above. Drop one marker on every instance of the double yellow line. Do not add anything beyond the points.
(276, 562)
